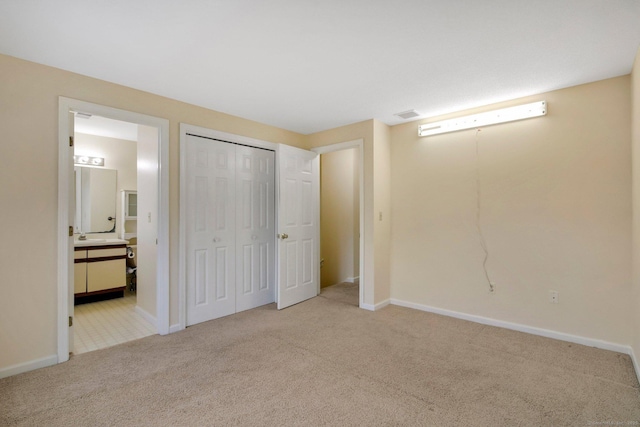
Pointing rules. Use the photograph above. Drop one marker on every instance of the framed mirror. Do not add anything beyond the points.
(95, 190)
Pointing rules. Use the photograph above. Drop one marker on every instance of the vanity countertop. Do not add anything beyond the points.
(99, 242)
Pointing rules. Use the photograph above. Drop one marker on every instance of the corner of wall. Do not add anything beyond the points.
(635, 194)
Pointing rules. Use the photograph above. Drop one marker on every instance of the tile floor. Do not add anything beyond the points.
(107, 323)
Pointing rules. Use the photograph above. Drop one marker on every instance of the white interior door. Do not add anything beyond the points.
(255, 227)
(298, 226)
(210, 234)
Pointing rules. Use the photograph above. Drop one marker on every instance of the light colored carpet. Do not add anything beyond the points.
(346, 292)
(326, 362)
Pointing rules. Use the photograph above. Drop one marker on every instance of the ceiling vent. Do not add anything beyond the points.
(411, 114)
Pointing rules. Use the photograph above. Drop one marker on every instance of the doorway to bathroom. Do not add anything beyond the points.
(116, 206)
(123, 262)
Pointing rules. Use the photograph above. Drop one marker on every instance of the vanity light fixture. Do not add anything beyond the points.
(510, 114)
(88, 161)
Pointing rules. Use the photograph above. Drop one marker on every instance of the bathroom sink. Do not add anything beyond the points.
(88, 242)
(100, 242)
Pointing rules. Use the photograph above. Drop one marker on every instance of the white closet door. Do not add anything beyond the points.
(210, 236)
(298, 226)
(255, 227)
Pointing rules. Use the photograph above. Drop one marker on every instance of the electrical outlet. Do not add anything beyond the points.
(492, 287)
(553, 297)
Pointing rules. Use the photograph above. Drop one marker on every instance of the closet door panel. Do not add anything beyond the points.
(211, 225)
(255, 236)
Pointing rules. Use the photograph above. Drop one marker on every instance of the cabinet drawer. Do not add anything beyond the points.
(80, 278)
(79, 254)
(101, 253)
(106, 275)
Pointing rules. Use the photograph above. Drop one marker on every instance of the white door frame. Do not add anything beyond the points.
(65, 216)
(359, 144)
(223, 136)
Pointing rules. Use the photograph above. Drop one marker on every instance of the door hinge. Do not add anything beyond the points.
(71, 231)
(70, 141)
(70, 321)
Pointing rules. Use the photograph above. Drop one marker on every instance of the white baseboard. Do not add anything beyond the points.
(636, 362)
(28, 366)
(377, 306)
(151, 319)
(605, 345)
(175, 328)
(346, 280)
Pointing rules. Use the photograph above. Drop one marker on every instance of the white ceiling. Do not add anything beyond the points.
(309, 66)
(102, 126)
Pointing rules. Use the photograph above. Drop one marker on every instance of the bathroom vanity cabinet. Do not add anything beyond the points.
(99, 270)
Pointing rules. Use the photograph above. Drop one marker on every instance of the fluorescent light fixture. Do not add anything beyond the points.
(88, 161)
(520, 112)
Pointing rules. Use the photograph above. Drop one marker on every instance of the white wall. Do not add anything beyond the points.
(147, 223)
(555, 213)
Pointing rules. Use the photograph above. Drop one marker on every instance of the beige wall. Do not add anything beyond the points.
(635, 135)
(338, 216)
(28, 171)
(555, 213)
(382, 179)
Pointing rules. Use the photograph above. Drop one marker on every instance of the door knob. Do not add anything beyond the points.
(216, 239)
(283, 236)
(254, 237)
